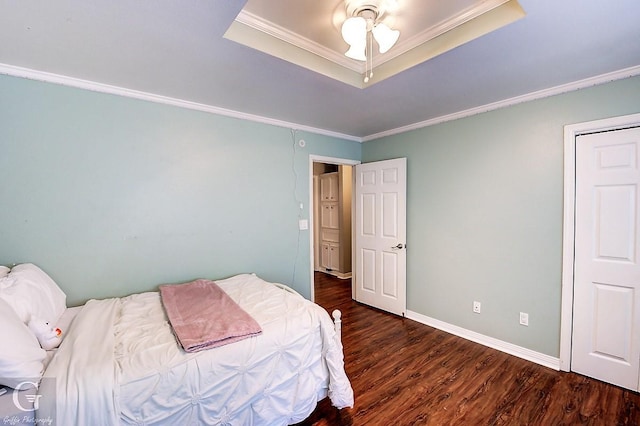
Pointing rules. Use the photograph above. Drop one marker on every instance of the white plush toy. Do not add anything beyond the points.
(48, 336)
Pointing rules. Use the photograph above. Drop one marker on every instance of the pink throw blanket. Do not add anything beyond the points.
(203, 316)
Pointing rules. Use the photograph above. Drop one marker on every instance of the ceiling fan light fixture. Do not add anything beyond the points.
(357, 53)
(385, 36)
(354, 32)
(363, 25)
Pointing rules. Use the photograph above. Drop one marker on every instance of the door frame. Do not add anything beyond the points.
(571, 132)
(311, 204)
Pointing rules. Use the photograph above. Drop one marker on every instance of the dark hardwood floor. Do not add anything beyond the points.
(406, 373)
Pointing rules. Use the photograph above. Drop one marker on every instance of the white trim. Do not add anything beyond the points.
(540, 94)
(327, 160)
(451, 23)
(135, 94)
(340, 275)
(273, 30)
(145, 96)
(566, 292)
(500, 345)
(568, 224)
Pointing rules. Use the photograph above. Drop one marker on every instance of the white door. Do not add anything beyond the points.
(380, 234)
(606, 324)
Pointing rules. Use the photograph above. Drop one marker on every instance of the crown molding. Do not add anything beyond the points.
(442, 27)
(78, 83)
(47, 77)
(273, 30)
(468, 24)
(540, 94)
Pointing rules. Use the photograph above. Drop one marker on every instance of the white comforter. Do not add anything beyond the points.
(120, 364)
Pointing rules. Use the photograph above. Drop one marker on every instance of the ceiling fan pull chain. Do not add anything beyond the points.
(370, 55)
(368, 68)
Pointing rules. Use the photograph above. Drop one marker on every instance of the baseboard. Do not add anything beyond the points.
(341, 275)
(511, 349)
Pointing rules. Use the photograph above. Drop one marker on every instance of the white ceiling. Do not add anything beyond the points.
(177, 50)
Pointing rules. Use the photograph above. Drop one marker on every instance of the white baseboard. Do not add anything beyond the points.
(341, 275)
(511, 349)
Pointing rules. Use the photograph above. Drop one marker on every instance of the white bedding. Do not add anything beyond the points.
(23, 414)
(120, 364)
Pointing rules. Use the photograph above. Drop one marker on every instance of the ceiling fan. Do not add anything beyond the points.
(364, 24)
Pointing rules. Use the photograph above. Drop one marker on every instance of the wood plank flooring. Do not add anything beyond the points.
(406, 373)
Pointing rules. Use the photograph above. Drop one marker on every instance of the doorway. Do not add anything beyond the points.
(332, 226)
(331, 248)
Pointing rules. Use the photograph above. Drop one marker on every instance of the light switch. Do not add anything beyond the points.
(303, 224)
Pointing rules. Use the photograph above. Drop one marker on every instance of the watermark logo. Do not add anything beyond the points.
(27, 402)
(32, 398)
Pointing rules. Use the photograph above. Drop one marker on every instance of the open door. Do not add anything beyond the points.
(380, 235)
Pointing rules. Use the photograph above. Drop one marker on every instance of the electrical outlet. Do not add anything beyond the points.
(476, 307)
(524, 318)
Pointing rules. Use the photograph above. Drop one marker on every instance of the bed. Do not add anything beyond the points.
(120, 363)
(17, 406)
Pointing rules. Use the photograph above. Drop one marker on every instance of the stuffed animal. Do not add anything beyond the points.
(48, 336)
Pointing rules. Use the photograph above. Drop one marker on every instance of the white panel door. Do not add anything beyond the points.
(380, 234)
(606, 323)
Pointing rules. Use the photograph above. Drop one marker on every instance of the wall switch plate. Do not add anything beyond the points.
(303, 224)
(476, 307)
(524, 318)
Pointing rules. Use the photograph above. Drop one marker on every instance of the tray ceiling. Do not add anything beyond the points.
(308, 32)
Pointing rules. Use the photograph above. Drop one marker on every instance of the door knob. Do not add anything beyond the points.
(399, 246)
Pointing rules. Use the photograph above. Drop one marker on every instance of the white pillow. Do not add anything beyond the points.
(30, 291)
(4, 271)
(20, 353)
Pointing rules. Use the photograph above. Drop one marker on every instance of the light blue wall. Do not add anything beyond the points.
(112, 195)
(484, 212)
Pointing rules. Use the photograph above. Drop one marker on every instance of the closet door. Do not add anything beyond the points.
(606, 322)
